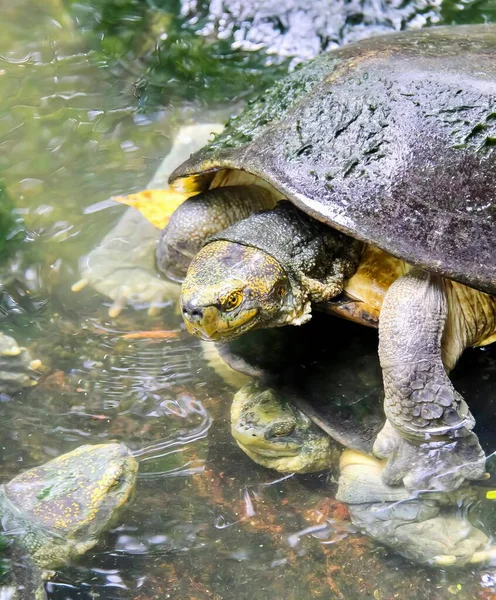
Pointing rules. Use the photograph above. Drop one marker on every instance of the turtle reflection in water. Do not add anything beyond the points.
(298, 415)
(57, 511)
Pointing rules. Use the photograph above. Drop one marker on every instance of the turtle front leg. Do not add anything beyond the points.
(427, 439)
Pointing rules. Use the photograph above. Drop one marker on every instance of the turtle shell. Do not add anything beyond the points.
(391, 140)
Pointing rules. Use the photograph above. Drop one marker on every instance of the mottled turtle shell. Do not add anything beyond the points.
(391, 140)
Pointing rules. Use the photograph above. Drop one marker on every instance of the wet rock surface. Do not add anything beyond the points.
(303, 29)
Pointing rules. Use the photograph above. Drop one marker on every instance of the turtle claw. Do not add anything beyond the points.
(79, 285)
(118, 305)
(432, 465)
(154, 309)
(484, 557)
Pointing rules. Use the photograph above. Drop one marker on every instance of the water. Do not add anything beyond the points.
(90, 97)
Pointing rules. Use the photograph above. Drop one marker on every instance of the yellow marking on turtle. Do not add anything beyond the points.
(99, 493)
(213, 325)
(66, 516)
(215, 176)
(354, 457)
(366, 289)
(233, 378)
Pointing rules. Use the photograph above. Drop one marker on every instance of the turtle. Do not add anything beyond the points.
(316, 409)
(57, 511)
(380, 157)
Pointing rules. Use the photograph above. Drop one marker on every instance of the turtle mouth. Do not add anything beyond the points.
(256, 442)
(269, 453)
(213, 326)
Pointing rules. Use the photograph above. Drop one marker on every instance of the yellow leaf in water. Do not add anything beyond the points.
(152, 335)
(491, 495)
(156, 206)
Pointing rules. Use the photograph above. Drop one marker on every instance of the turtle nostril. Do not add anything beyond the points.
(192, 312)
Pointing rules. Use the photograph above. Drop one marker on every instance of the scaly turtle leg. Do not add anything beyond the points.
(427, 438)
(428, 528)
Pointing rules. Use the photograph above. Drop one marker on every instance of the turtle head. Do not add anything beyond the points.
(231, 288)
(276, 434)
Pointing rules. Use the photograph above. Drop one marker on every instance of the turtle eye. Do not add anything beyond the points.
(232, 301)
(117, 482)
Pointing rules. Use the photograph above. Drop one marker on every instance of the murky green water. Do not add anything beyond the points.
(90, 97)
